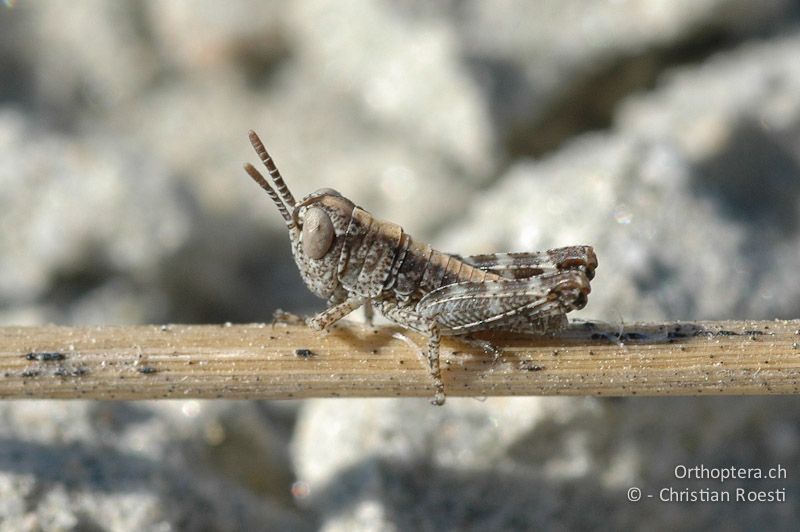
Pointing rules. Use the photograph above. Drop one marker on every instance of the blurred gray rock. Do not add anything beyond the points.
(77, 218)
(81, 59)
(530, 463)
(122, 132)
(143, 466)
(553, 69)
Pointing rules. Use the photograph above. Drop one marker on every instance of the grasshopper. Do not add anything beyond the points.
(352, 259)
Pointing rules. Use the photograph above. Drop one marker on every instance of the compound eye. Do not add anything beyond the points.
(318, 233)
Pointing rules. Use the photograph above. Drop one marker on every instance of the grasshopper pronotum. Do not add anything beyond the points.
(351, 259)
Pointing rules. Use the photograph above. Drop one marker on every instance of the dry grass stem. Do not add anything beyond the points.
(287, 360)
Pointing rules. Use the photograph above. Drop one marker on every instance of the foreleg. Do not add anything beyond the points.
(331, 315)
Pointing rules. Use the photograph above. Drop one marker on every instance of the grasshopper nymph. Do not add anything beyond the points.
(351, 259)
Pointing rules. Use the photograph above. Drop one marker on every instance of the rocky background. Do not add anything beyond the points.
(664, 132)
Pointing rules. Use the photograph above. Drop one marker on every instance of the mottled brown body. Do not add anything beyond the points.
(379, 260)
(350, 258)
